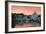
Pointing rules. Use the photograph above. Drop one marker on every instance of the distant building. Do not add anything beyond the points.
(34, 16)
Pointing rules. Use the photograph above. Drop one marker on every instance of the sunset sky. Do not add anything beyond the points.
(27, 10)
